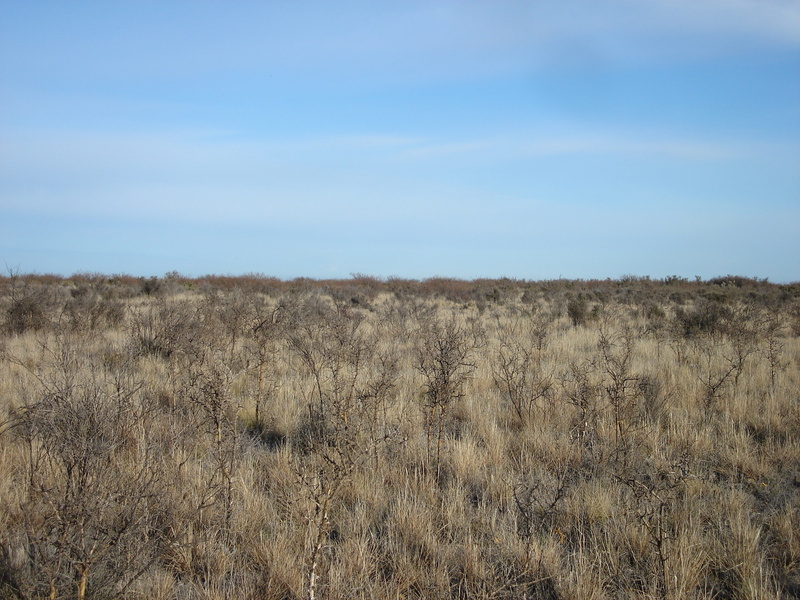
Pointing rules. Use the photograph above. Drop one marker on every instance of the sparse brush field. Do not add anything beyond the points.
(224, 438)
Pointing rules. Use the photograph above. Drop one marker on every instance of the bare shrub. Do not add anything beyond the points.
(622, 386)
(93, 309)
(773, 328)
(207, 385)
(518, 369)
(265, 336)
(91, 510)
(165, 328)
(713, 369)
(581, 390)
(352, 381)
(444, 358)
(578, 310)
(655, 493)
(708, 316)
(31, 306)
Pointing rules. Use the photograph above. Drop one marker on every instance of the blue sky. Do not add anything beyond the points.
(473, 138)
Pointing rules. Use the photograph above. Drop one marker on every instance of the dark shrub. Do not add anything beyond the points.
(707, 317)
(33, 307)
(92, 307)
(577, 310)
(150, 286)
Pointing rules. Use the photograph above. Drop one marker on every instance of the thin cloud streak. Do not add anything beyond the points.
(512, 148)
(393, 41)
(188, 153)
(202, 175)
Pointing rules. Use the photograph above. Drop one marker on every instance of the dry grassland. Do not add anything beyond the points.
(621, 439)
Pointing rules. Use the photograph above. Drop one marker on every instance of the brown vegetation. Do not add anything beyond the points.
(246, 437)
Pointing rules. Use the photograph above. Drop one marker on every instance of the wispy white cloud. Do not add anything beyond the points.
(537, 145)
(196, 156)
(462, 38)
(387, 41)
(200, 176)
(774, 22)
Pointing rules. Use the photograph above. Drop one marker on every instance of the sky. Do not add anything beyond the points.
(474, 138)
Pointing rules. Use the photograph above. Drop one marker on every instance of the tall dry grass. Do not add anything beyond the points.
(301, 443)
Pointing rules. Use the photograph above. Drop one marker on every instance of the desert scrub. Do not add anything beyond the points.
(254, 438)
